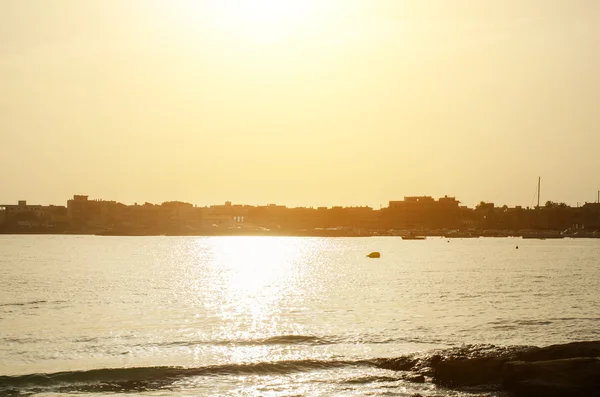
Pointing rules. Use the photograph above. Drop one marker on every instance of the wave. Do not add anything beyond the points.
(295, 339)
(533, 322)
(22, 303)
(279, 340)
(38, 302)
(372, 379)
(274, 340)
(153, 378)
(514, 324)
(575, 318)
(300, 340)
(143, 378)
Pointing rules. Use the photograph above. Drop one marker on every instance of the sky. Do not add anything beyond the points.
(299, 103)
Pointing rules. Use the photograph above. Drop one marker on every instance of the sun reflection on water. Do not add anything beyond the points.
(246, 291)
(257, 275)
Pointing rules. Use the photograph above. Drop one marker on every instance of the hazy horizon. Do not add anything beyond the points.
(299, 103)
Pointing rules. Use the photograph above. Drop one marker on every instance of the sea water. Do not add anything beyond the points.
(275, 316)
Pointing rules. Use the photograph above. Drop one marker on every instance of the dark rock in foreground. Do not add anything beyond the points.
(554, 378)
(556, 352)
(571, 369)
(469, 372)
(476, 365)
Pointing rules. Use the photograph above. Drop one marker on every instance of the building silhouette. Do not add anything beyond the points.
(444, 216)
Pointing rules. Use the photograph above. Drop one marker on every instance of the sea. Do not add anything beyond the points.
(275, 316)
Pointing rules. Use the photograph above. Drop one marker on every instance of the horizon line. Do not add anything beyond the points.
(232, 203)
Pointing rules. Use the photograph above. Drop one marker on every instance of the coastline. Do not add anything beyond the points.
(337, 232)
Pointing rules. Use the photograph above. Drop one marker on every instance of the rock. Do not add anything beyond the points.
(469, 372)
(479, 365)
(416, 378)
(472, 365)
(573, 377)
(420, 395)
(571, 369)
(404, 363)
(425, 371)
(556, 352)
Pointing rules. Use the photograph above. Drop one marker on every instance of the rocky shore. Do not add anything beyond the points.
(571, 369)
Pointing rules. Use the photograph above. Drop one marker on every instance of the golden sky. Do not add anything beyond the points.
(324, 102)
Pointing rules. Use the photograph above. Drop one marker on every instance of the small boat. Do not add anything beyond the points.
(374, 254)
(410, 236)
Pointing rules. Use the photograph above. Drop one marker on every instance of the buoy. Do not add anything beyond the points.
(374, 254)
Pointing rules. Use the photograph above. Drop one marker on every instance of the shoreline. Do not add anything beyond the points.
(310, 233)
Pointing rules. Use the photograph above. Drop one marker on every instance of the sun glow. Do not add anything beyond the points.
(259, 21)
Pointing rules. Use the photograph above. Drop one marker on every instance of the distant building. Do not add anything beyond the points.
(56, 215)
(79, 212)
(23, 215)
(21, 212)
(91, 215)
(423, 212)
(77, 207)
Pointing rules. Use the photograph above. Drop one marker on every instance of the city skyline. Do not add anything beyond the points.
(384, 204)
(532, 203)
(425, 214)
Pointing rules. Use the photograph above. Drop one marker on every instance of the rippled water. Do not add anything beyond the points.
(250, 316)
